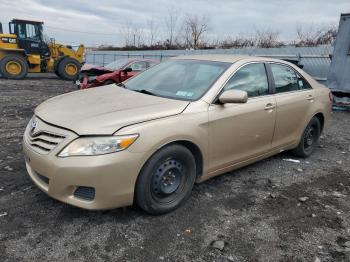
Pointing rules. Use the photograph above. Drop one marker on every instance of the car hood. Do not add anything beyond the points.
(104, 110)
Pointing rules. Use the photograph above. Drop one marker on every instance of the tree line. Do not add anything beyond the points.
(192, 32)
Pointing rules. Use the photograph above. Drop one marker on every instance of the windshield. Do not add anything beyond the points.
(117, 64)
(179, 79)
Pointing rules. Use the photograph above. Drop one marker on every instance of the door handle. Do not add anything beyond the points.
(269, 106)
(310, 98)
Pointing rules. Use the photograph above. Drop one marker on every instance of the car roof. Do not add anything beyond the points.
(229, 58)
(141, 60)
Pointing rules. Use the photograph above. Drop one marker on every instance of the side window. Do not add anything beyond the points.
(21, 31)
(32, 31)
(139, 66)
(12, 28)
(303, 84)
(286, 79)
(250, 78)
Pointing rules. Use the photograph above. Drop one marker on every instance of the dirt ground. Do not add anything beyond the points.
(257, 213)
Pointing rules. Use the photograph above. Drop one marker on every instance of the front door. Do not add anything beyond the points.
(238, 132)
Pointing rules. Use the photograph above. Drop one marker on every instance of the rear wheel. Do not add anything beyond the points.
(309, 138)
(166, 180)
(68, 69)
(14, 67)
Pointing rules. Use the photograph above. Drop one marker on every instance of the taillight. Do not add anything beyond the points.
(330, 96)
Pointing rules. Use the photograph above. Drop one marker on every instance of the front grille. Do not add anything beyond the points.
(44, 179)
(44, 141)
(85, 193)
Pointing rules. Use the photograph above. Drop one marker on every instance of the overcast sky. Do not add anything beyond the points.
(102, 20)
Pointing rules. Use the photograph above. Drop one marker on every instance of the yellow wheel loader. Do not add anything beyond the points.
(24, 51)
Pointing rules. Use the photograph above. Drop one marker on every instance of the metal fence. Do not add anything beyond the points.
(315, 60)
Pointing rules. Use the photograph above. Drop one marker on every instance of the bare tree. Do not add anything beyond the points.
(312, 36)
(194, 30)
(239, 41)
(328, 36)
(267, 39)
(139, 37)
(153, 30)
(171, 23)
(126, 31)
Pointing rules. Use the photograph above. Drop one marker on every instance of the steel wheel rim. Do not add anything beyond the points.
(71, 69)
(13, 68)
(168, 181)
(310, 136)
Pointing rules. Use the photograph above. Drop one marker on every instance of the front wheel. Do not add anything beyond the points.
(309, 138)
(166, 180)
(68, 69)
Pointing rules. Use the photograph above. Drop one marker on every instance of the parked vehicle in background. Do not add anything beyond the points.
(24, 50)
(115, 72)
(183, 121)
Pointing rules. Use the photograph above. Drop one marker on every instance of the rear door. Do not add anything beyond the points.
(294, 99)
(238, 132)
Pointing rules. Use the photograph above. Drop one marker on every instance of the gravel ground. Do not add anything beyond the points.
(273, 210)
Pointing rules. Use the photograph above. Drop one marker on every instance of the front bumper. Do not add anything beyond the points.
(112, 176)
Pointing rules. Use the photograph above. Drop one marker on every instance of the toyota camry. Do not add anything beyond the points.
(148, 140)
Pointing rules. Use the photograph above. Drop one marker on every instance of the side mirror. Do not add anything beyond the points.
(127, 70)
(233, 96)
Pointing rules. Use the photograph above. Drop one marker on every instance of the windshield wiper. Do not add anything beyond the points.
(121, 84)
(144, 91)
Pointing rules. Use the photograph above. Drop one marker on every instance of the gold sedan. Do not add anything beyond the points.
(148, 140)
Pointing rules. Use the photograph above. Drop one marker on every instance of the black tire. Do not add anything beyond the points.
(175, 167)
(63, 72)
(108, 82)
(18, 61)
(57, 74)
(55, 66)
(309, 139)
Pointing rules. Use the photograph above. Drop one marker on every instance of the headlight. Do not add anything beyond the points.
(99, 145)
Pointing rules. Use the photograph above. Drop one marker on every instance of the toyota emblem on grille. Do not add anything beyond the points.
(33, 126)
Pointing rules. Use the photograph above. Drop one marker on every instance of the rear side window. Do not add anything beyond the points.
(250, 78)
(303, 84)
(286, 79)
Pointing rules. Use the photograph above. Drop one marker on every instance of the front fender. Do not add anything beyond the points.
(191, 126)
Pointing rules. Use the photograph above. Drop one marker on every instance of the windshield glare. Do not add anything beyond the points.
(179, 79)
(117, 64)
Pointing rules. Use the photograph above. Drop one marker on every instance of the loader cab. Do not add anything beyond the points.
(30, 36)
